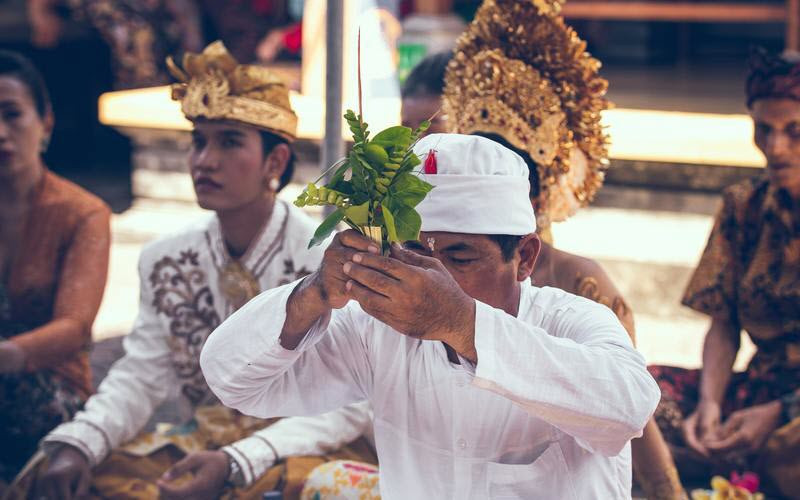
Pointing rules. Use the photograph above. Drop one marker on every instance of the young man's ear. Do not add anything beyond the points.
(276, 161)
(528, 251)
(49, 122)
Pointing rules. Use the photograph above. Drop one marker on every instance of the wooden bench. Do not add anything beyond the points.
(787, 12)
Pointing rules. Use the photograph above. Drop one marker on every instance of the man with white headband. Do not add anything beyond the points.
(482, 386)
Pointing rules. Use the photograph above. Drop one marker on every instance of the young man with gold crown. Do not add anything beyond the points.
(191, 282)
(482, 386)
(539, 93)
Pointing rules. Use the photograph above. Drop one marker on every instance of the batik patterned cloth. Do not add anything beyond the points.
(31, 404)
(342, 480)
(140, 35)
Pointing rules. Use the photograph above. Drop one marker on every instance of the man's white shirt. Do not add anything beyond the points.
(547, 412)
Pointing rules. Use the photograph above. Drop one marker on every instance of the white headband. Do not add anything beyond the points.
(480, 187)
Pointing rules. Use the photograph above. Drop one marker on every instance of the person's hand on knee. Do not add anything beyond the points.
(209, 471)
(67, 476)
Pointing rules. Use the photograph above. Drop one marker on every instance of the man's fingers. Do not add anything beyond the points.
(170, 490)
(733, 424)
(357, 241)
(734, 441)
(62, 489)
(392, 267)
(82, 488)
(413, 258)
(374, 280)
(340, 255)
(372, 302)
(187, 464)
(690, 436)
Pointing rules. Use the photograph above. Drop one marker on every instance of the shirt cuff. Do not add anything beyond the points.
(87, 437)
(254, 455)
(485, 346)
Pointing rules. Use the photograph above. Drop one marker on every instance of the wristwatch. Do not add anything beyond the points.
(235, 476)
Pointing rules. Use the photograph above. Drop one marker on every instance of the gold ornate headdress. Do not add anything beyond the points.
(214, 85)
(520, 72)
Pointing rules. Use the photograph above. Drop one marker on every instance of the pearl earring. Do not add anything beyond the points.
(45, 144)
(274, 184)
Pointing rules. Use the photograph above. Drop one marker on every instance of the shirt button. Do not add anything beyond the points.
(462, 444)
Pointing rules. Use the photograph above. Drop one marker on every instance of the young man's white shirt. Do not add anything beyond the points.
(180, 305)
(547, 412)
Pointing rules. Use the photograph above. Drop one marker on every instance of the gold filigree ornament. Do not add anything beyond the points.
(520, 72)
(213, 85)
(237, 284)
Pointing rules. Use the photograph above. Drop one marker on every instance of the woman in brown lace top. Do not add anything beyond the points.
(749, 279)
(54, 245)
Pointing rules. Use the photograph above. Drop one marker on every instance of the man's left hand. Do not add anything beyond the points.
(746, 430)
(415, 295)
(208, 469)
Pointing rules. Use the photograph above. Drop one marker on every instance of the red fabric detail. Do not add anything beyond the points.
(430, 163)
(293, 38)
(359, 467)
(748, 481)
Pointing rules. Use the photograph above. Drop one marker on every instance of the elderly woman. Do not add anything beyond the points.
(749, 279)
(54, 244)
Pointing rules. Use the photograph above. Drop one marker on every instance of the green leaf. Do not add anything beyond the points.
(358, 214)
(365, 163)
(388, 218)
(340, 172)
(407, 223)
(421, 129)
(326, 228)
(341, 186)
(408, 190)
(393, 136)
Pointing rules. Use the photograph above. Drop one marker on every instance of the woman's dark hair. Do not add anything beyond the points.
(427, 77)
(533, 168)
(268, 143)
(15, 65)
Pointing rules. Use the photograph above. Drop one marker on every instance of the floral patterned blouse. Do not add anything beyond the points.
(750, 274)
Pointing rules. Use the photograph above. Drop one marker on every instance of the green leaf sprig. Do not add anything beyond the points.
(374, 186)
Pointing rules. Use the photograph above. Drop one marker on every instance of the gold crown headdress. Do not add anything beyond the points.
(214, 85)
(520, 72)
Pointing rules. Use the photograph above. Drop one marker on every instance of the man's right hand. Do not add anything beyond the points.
(67, 476)
(330, 279)
(702, 426)
(325, 289)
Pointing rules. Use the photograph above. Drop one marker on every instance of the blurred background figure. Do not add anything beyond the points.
(719, 420)
(54, 247)
(422, 93)
(139, 33)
